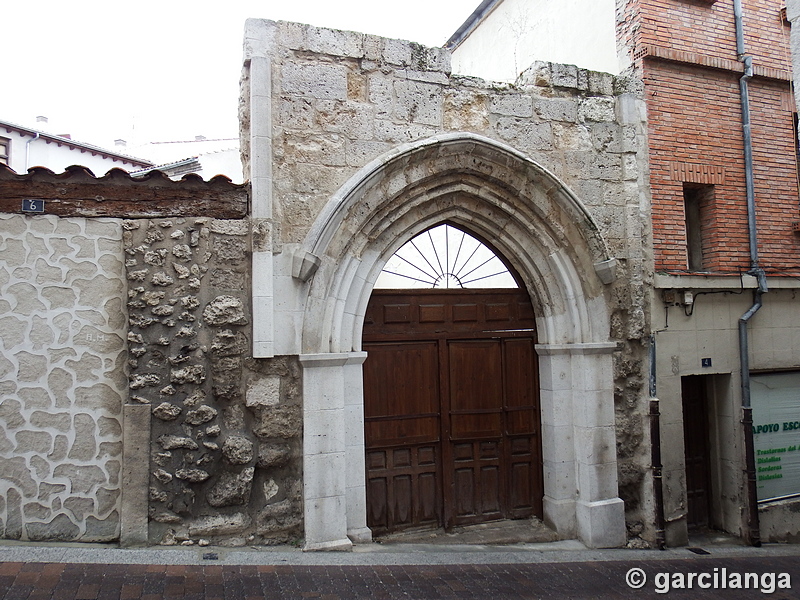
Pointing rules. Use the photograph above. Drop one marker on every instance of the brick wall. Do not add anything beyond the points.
(707, 28)
(692, 89)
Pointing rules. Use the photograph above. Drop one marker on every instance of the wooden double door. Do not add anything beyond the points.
(451, 408)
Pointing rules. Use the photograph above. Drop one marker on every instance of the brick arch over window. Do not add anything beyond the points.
(551, 240)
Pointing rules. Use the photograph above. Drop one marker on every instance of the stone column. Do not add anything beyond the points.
(135, 475)
(257, 48)
(325, 451)
(579, 449)
(357, 529)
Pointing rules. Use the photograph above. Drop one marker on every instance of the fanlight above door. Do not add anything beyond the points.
(444, 257)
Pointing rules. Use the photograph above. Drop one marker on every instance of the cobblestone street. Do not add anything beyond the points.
(589, 579)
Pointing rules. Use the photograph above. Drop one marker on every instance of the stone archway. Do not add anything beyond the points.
(555, 246)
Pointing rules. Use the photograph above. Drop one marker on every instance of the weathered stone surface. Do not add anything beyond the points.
(35, 510)
(237, 450)
(167, 411)
(232, 489)
(276, 518)
(273, 455)
(14, 520)
(84, 446)
(188, 374)
(229, 227)
(60, 449)
(167, 517)
(227, 279)
(83, 478)
(192, 475)
(61, 421)
(173, 442)
(203, 414)
(264, 392)
(46, 490)
(80, 507)
(228, 343)
(219, 525)
(10, 413)
(60, 529)
(39, 442)
(229, 250)
(225, 310)
(107, 500)
(162, 279)
(162, 475)
(278, 422)
(102, 530)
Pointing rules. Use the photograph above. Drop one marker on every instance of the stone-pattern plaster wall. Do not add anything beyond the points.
(340, 100)
(226, 429)
(62, 380)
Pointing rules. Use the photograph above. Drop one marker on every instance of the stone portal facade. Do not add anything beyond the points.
(355, 144)
(220, 332)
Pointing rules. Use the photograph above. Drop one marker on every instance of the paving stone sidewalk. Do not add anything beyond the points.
(585, 579)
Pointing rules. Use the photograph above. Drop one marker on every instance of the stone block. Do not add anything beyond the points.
(512, 105)
(203, 414)
(273, 455)
(238, 450)
(278, 422)
(225, 310)
(38, 442)
(217, 525)
(418, 102)
(232, 489)
(324, 81)
(83, 479)
(60, 529)
(264, 392)
(554, 109)
(597, 109)
(192, 475)
(85, 446)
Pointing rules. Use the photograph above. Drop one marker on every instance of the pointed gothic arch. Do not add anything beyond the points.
(552, 242)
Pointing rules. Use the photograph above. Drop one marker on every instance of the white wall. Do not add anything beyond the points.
(47, 153)
(519, 32)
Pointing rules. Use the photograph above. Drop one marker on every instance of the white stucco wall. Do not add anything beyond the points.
(42, 152)
(62, 377)
(519, 32)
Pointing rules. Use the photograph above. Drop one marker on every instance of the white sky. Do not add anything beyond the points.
(168, 70)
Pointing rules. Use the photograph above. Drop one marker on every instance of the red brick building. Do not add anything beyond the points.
(686, 52)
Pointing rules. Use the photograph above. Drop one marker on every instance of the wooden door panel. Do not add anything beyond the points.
(403, 488)
(476, 376)
(451, 409)
(522, 387)
(402, 379)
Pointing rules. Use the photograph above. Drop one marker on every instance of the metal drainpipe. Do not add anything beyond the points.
(655, 452)
(753, 531)
(35, 137)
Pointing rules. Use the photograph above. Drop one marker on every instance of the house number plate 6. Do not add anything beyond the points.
(33, 206)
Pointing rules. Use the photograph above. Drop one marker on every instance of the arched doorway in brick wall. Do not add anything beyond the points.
(553, 245)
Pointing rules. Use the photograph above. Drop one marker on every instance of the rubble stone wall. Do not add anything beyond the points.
(62, 381)
(226, 429)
